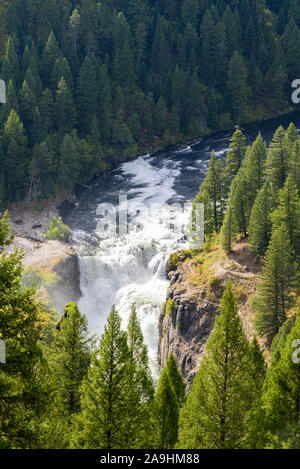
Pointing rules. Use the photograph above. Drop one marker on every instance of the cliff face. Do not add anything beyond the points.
(51, 264)
(196, 287)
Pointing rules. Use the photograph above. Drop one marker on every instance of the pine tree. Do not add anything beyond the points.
(222, 389)
(166, 413)
(71, 155)
(288, 212)
(50, 54)
(294, 164)
(103, 421)
(65, 110)
(140, 384)
(277, 162)
(87, 94)
(280, 397)
(277, 282)
(24, 396)
(15, 147)
(237, 87)
(69, 356)
(235, 156)
(176, 379)
(213, 185)
(260, 224)
(228, 230)
(254, 163)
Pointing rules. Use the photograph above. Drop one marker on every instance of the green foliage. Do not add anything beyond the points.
(136, 76)
(58, 230)
(280, 397)
(223, 388)
(24, 392)
(176, 379)
(166, 412)
(276, 286)
(69, 356)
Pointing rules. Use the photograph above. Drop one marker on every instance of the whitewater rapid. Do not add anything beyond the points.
(130, 269)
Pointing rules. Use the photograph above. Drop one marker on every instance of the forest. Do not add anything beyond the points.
(93, 83)
(63, 388)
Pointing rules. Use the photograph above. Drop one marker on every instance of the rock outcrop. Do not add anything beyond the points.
(196, 286)
(52, 264)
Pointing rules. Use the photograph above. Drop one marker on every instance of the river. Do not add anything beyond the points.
(128, 266)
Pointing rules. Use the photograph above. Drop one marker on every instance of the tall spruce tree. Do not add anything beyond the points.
(176, 379)
(260, 224)
(105, 410)
(288, 212)
(140, 385)
(281, 390)
(277, 162)
(223, 388)
(277, 282)
(69, 356)
(166, 411)
(24, 396)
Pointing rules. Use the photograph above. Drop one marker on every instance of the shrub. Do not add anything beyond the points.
(58, 230)
(169, 306)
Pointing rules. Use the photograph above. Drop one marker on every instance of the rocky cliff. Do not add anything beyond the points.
(51, 264)
(196, 287)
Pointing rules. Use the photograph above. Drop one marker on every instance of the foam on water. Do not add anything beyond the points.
(131, 269)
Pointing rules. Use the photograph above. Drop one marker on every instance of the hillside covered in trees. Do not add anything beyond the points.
(62, 388)
(90, 83)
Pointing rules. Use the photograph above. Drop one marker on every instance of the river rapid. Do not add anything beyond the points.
(130, 219)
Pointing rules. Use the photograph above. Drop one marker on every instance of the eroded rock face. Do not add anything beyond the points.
(196, 287)
(186, 328)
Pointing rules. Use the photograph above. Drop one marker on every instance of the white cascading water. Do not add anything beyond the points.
(131, 269)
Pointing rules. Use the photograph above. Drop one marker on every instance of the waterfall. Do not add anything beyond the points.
(131, 269)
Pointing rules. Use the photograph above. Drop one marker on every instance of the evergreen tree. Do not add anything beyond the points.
(235, 156)
(260, 224)
(15, 147)
(274, 291)
(280, 397)
(222, 389)
(176, 379)
(288, 212)
(166, 413)
(69, 356)
(103, 421)
(228, 230)
(140, 385)
(277, 162)
(24, 397)
(237, 87)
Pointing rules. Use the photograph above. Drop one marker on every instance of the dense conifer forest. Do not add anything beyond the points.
(62, 388)
(90, 83)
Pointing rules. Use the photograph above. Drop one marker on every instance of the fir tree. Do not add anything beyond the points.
(104, 417)
(280, 397)
(222, 390)
(166, 413)
(176, 379)
(24, 396)
(288, 212)
(277, 162)
(260, 224)
(277, 281)
(69, 356)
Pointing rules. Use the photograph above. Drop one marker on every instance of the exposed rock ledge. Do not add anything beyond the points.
(196, 287)
(47, 256)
